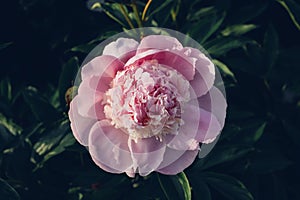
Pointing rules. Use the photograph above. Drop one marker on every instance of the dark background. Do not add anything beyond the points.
(43, 42)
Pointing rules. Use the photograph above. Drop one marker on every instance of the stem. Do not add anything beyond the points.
(290, 13)
(145, 10)
(162, 187)
(125, 14)
(136, 13)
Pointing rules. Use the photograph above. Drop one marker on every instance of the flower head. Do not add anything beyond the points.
(146, 106)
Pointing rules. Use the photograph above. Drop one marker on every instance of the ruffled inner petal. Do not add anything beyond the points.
(174, 59)
(185, 139)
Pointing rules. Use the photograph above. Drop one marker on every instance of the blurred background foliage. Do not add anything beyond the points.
(254, 43)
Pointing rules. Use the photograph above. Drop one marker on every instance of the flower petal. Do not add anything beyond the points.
(108, 145)
(171, 166)
(89, 103)
(174, 59)
(105, 65)
(160, 42)
(80, 125)
(147, 154)
(214, 102)
(209, 127)
(122, 48)
(205, 72)
(185, 139)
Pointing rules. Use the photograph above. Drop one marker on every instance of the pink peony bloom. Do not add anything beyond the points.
(144, 107)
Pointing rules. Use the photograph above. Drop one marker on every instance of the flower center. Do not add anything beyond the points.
(145, 100)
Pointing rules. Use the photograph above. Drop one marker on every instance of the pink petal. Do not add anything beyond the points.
(214, 102)
(147, 154)
(205, 72)
(159, 42)
(122, 48)
(105, 167)
(175, 59)
(80, 125)
(171, 166)
(104, 65)
(89, 103)
(108, 145)
(185, 139)
(209, 127)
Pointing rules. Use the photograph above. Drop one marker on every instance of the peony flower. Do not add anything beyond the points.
(146, 106)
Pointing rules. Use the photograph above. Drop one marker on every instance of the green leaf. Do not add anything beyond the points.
(112, 10)
(238, 29)
(206, 11)
(229, 186)
(83, 48)
(259, 132)
(251, 130)
(222, 154)
(5, 138)
(40, 106)
(5, 45)
(53, 143)
(293, 10)
(242, 14)
(5, 89)
(223, 67)
(88, 47)
(7, 192)
(179, 183)
(9, 124)
(268, 161)
(67, 77)
(158, 8)
(220, 46)
(67, 141)
(204, 27)
(292, 130)
(271, 46)
(200, 190)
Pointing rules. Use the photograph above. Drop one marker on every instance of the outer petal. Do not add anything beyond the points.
(160, 42)
(205, 72)
(209, 127)
(80, 125)
(122, 48)
(213, 112)
(90, 97)
(170, 167)
(214, 102)
(104, 65)
(147, 154)
(108, 146)
(174, 59)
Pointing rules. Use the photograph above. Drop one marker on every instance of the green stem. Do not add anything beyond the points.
(290, 13)
(136, 13)
(125, 14)
(162, 187)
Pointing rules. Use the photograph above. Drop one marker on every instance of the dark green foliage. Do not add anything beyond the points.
(255, 44)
